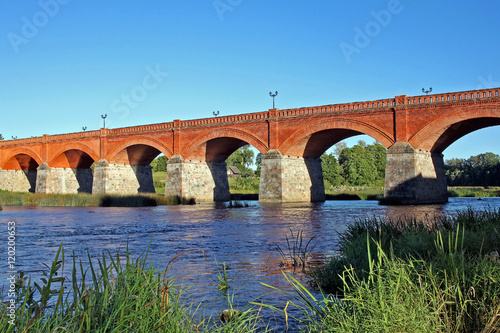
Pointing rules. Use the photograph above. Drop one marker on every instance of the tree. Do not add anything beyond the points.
(362, 143)
(479, 170)
(1, 137)
(258, 163)
(339, 146)
(378, 151)
(241, 158)
(358, 166)
(332, 171)
(159, 164)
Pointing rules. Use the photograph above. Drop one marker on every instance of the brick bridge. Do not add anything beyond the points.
(415, 130)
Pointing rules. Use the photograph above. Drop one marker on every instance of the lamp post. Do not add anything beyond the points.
(215, 113)
(14, 137)
(273, 95)
(84, 128)
(427, 91)
(104, 119)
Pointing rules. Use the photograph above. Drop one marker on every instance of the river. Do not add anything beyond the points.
(244, 239)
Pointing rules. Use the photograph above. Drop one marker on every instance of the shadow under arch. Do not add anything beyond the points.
(442, 132)
(20, 169)
(138, 150)
(133, 160)
(71, 170)
(315, 139)
(212, 146)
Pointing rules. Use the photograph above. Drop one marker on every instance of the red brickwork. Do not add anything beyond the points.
(430, 123)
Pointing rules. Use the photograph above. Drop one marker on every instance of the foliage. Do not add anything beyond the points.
(1, 137)
(242, 158)
(339, 146)
(88, 200)
(360, 165)
(408, 275)
(159, 164)
(159, 179)
(332, 171)
(258, 164)
(473, 191)
(244, 184)
(116, 294)
(479, 170)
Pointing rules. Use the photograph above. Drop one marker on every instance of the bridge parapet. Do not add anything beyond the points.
(142, 128)
(454, 97)
(225, 119)
(335, 108)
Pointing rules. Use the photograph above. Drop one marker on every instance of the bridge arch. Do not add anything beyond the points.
(20, 167)
(75, 156)
(436, 136)
(21, 159)
(217, 145)
(316, 138)
(138, 151)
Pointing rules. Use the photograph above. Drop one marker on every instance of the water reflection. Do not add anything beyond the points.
(244, 238)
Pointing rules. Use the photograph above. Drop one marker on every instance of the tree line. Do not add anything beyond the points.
(480, 170)
(360, 165)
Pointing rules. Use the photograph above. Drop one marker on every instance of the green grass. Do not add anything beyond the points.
(473, 191)
(431, 276)
(355, 193)
(244, 185)
(114, 294)
(88, 200)
(159, 178)
(407, 275)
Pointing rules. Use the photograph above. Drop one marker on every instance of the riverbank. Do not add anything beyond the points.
(88, 200)
(473, 191)
(243, 189)
(427, 276)
(440, 275)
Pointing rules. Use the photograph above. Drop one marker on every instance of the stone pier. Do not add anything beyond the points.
(414, 176)
(122, 178)
(290, 179)
(63, 180)
(18, 180)
(204, 181)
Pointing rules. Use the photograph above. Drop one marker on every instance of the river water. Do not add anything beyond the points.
(244, 239)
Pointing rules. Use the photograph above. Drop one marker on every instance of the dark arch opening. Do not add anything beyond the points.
(139, 157)
(461, 129)
(229, 160)
(472, 164)
(20, 173)
(76, 167)
(332, 174)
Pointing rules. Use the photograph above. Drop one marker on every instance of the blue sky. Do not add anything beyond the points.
(67, 62)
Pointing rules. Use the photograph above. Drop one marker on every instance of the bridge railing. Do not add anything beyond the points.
(225, 119)
(337, 108)
(142, 128)
(331, 108)
(68, 136)
(454, 97)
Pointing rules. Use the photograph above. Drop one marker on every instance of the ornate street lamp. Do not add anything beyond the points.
(104, 119)
(84, 128)
(215, 113)
(427, 91)
(273, 95)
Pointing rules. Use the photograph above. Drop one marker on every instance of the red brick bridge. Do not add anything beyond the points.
(416, 130)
